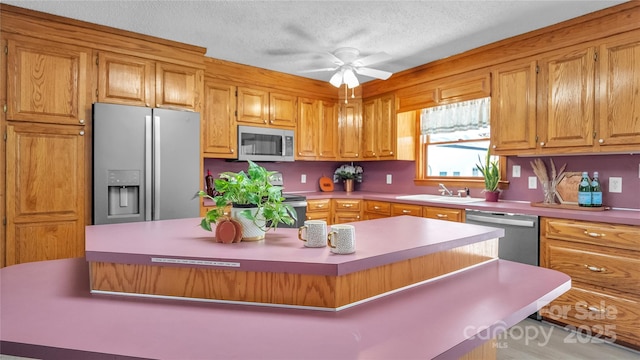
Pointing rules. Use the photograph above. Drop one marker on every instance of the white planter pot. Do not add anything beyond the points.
(251, 230)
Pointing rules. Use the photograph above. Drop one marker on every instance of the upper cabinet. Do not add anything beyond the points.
(261, 107)
(47, 82)
(513, 107)
(384, 133)
(349, 126)
(316, 135)
(219, 129)
(588, 100)
(131, 80)
(619, 116)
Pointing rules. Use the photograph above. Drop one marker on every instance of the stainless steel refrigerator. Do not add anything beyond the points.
(146, 164)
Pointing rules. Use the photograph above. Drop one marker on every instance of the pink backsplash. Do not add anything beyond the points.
(403, 172)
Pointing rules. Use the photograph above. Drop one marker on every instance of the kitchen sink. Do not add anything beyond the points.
(439, 198)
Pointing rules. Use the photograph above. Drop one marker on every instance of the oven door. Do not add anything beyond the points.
(300, 206)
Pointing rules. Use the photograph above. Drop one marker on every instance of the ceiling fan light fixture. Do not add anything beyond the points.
(350, 78)
(336, 79)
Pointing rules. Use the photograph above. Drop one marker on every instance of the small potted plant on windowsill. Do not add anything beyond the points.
(491, 172)
(255, 203)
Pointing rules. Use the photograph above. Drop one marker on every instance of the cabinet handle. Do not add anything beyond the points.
(357, 155)
(376, 208)
(601, 141)
(542, 143)
(406, 211)
(81, 132)
(82, 121)
(594, 309)
(232, 151)
(357, 216)
(320, 205)
(300, 153)
(594, 268)
(374, 154)
(442, 216)
(347, 205)
(391, 153)
(264, 121)
(593, 234)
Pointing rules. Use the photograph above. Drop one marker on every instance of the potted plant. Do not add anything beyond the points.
(491, 172)
(255, 203)
(348, 174)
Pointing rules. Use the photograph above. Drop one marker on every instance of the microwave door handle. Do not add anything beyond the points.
(284, 145)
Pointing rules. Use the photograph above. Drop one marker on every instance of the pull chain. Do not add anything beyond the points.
(345, 94)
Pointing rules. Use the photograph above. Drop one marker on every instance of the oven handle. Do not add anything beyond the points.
(300, 203)
(501, 221)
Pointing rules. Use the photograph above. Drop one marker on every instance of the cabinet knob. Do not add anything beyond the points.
(542, 143)
(264, 121)
(601, 141)
(494, 146)
(300, 153)
(81, 132)
(232, 151)
(391, 153)
(82, 121)
(271, 122)
(357, 155)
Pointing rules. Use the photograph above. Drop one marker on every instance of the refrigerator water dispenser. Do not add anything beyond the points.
(124, 190)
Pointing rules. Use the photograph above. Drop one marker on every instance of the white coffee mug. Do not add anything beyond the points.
(342, 239)
(313, 233)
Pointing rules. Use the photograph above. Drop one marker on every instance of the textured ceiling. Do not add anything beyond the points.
(292, 36)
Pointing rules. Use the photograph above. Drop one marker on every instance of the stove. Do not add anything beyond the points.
(297, 201)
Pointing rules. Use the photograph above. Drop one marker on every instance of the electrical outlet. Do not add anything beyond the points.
(515, 171)
(303, 178)
(615, 184)
(533, 182)
(388, 179)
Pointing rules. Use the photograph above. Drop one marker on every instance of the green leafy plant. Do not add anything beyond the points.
(249, 188)
(490, 171)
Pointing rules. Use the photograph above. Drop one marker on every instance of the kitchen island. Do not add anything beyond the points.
(48, 311)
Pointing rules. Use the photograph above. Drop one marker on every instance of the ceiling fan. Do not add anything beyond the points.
(347, 65)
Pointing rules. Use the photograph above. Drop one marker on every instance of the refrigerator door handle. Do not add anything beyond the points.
(148, 142)
(156, 168)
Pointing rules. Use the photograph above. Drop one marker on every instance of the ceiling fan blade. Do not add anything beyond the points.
(372, 59)
(378, 74)
(319, 70)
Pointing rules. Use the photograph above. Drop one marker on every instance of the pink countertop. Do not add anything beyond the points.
(614, 216)
(47, 312)
(183, 243)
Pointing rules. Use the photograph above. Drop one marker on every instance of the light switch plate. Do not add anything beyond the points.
(515, 171)
(303, 178)
(533, 182)
(615, 184)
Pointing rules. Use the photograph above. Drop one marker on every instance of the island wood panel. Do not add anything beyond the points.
(284, 288)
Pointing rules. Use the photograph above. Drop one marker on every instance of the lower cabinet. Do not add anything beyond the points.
(346, 210)
(405, 209)
(603, 261)
(441, 213)
(319, 209)
(376, 209)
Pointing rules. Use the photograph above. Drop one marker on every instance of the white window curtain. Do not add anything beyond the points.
(462, 116)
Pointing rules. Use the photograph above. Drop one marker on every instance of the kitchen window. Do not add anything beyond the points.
(452, 137)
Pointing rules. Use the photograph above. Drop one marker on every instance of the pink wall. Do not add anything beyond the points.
(403, 172)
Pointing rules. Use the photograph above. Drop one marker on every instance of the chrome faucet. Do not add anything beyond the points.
(443, 190)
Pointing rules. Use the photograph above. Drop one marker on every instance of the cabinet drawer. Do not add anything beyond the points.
(377, 207)
(406, 209)
(443, 213)
(610, 235)
(319, 215)
(343, 204)
(345, 217)
(318, 205)
(612, 315)
(606, 267)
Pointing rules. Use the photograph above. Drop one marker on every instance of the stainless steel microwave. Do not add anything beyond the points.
(264, 144)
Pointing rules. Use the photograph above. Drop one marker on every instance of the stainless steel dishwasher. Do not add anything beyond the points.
(521, 234)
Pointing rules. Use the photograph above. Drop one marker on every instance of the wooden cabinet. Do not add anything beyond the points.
(349, 125)
(219, 129)
(618, 120)
(374, 209)
(316, 136)
(398, 209)
(319, 209)
(567, 98)
(47, 82)
(513, 107)
(124, 79)
(346, 210)
(46, 180)
(385, 134)
(131, 80)
(603, 261)
(440, 213)
(260, 107)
